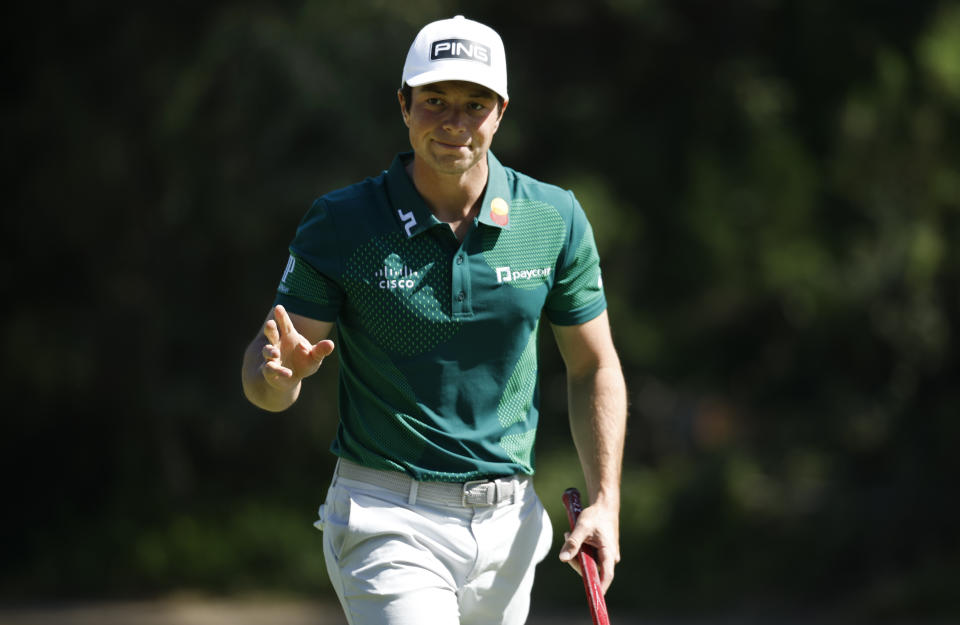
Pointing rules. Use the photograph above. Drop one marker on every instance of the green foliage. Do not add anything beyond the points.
(775, 191)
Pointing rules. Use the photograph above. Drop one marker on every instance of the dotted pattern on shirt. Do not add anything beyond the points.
(409, 320)
(533, 241)
(444, 476)
(306, 283)
(517, 395)
(520, 448)
(584, 287)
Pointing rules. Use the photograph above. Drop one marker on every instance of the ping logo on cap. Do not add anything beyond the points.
(459, 49)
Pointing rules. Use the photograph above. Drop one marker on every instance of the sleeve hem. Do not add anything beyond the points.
(579, 315)
(307, 309)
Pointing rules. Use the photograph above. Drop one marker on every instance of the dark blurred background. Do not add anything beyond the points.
(775, 191)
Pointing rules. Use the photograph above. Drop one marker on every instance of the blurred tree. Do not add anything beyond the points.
(774, 186)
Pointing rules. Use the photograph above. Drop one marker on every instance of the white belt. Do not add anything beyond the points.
(476, 493)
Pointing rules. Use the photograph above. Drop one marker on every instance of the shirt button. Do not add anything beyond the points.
(461, 296)
(460, 260)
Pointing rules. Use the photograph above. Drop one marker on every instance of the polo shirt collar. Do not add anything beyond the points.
(415, 216)
(495, 207)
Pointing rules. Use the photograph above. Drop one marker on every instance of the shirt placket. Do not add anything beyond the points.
(460, 292)
(461, 295)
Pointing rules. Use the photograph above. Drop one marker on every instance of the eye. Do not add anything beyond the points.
(434, 101)
(477, 106)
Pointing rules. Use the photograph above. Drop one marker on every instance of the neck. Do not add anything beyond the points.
(452, 197)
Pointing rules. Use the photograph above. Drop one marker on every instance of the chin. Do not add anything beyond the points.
(465, 161)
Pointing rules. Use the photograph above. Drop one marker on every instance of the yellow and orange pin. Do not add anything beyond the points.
(500, 211)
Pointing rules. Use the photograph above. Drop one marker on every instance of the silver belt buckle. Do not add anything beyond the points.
(475, 496)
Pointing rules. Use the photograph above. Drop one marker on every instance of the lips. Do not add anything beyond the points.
(450, 146)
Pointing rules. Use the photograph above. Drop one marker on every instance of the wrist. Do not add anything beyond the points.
(606, 498)
(266, 396)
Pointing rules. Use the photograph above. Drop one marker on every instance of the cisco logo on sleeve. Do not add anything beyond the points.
(459, 49)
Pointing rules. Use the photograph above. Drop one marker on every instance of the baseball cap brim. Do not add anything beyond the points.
(441, 75)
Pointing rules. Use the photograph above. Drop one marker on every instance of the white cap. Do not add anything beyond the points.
(457, 49)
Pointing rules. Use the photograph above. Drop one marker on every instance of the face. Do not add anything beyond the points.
(451, 124)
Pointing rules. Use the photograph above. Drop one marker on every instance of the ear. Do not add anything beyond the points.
(403, 108)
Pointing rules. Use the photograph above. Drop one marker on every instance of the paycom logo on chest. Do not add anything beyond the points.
(506, 274)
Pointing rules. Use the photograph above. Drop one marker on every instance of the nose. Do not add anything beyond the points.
(454, 122)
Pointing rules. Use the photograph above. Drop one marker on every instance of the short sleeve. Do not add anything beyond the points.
(310, 285)
(577, 294)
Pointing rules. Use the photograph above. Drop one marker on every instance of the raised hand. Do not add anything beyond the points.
(288, 357)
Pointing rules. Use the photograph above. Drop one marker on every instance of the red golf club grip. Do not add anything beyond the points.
(588, 562)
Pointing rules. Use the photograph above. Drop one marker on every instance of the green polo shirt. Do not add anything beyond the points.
(438, 338)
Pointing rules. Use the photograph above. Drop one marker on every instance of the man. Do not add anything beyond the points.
(436, 274)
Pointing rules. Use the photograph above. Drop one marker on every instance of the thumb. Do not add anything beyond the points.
(321, 350)
(571, 547)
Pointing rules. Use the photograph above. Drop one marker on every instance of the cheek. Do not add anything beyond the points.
(490, 129)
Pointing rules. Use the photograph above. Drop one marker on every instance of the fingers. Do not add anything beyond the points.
(277, 376)
(284, 323)
(272, 369)
(585, 534)
(271, 333)
(606, 563)
(271, 352)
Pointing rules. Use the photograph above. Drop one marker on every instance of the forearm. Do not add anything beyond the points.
(598, 413)
(597, 403)
(255, 386)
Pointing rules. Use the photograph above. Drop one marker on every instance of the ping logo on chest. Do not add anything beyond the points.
(459, 49)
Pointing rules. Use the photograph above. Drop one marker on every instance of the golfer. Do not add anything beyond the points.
(436, 274)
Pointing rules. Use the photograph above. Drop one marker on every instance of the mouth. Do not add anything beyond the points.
(451, 146)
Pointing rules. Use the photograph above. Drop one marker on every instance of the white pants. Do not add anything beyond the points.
(393, 563)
